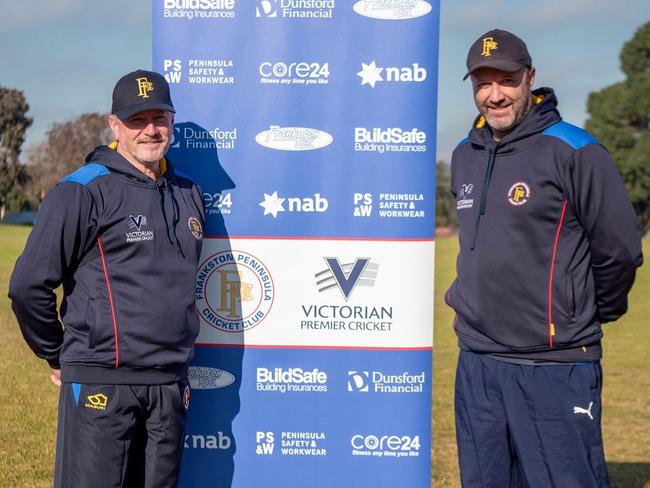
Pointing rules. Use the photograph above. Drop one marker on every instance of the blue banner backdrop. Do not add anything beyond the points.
(310, 126)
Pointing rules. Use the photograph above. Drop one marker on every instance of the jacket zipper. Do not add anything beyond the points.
(551, 325)
(111, 302)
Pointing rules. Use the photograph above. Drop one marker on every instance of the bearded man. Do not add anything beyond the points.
(549, 247)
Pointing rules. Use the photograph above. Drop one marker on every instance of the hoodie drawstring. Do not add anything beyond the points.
(176, 218)
(484, 190)
(161, 202)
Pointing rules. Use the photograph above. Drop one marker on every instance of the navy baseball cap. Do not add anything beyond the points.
(500, 50)
(141, 90)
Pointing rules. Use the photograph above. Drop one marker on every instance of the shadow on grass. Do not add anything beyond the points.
(629, 475)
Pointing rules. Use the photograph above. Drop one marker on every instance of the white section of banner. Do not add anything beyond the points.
(316, 293)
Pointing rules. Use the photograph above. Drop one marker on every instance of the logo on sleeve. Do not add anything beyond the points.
(519, 194)
(195, 227)
(186, 397)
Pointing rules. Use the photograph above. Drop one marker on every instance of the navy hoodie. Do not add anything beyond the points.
(549, 242)
(126, 249)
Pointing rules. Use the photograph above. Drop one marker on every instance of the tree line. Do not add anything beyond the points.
(619, 117)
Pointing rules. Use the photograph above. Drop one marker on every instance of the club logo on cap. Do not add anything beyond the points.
(488, 45)
(144, 87)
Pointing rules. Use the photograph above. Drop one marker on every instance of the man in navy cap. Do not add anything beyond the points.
(123, 235)
(549, 246)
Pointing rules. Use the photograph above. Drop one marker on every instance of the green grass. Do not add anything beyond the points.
(28, 400)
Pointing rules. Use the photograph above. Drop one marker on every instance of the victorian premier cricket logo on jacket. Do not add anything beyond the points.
(137, 231)
(464, 200)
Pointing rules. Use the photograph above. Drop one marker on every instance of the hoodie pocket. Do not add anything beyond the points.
(91, 320)
(100, 332)
(571, 298)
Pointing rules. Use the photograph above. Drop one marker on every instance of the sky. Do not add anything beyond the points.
(66, 55)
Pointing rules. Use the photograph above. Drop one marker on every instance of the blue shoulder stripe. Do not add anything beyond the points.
(572, 135)
(86, 174)
(463, 141)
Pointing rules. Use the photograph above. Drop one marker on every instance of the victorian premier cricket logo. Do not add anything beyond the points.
(234, 291)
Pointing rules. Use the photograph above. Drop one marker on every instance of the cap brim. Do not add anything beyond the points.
(127, 112)
(507, 66)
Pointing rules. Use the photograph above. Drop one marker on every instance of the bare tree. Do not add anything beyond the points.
(64, 150)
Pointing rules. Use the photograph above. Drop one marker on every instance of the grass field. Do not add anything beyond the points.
(28, 399)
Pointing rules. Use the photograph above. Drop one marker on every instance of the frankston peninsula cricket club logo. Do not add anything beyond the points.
(346, 277)
(234, 291)
(144, 87)
(195, 227)
(489, 44)
(519, 193)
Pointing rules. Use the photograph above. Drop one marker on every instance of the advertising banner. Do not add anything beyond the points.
(310, 127)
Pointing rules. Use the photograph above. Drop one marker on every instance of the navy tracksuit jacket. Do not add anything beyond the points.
(549, 242)
(125, 248)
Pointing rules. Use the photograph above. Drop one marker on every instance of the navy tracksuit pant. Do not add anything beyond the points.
(119, 436)
(529, 426)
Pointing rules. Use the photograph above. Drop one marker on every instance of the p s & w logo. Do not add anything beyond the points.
(265, 443)
(358, 381)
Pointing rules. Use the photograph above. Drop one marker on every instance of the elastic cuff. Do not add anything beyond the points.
(54, 363)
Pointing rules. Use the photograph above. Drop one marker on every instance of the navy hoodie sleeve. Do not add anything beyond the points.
(64, 230)
(601, 203)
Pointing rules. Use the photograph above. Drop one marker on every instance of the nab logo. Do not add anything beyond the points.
(273, 204)
(358, 381)
(346, 276)
(488, 45)
(144, 87)
(98, 401)
(137, 222)
(371, 74)
(266, 8)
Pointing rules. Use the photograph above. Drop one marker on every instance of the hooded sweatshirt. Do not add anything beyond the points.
(126, 249)
(549, 242)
